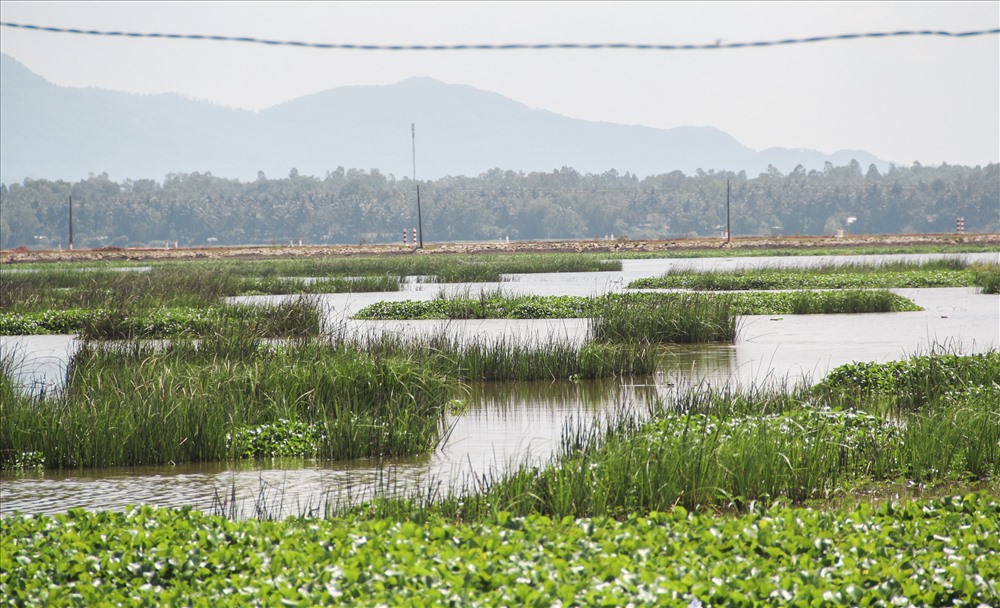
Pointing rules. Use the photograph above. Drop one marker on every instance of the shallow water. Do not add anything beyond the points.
(507, 423)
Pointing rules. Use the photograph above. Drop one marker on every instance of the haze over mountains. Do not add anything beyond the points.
(55, 132)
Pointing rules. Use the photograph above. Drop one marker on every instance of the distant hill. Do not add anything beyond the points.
(57, 132)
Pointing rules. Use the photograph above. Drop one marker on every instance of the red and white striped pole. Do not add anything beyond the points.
(414, 236)
(404, 236)
(960, 225)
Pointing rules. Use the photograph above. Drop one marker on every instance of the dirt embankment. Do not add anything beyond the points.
(23, 255)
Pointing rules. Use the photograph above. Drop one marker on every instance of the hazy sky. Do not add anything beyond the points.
(921, 99)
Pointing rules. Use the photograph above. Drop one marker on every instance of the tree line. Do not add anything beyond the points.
(356, 206)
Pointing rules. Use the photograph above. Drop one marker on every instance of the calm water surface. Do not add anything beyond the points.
(510, 423)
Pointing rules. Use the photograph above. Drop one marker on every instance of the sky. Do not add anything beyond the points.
(931, 100)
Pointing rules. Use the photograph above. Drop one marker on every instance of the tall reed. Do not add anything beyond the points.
(987, 277)
(675, 319)
(297, 317)
(135, 403)
(478, 358)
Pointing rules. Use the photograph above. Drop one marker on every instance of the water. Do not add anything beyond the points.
(509, 423)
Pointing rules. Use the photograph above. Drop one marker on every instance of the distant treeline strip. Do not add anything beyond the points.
(353, 206)
(508, 47)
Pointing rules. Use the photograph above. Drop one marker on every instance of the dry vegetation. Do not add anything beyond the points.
(595, 246)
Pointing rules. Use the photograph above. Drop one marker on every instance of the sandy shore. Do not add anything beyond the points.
(23, 255)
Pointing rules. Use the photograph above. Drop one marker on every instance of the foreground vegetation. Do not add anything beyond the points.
(942, 273)
(684, 505)
(919, 553)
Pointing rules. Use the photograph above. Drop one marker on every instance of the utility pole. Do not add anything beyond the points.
(71, 221)
(420, 222)
(728, 233)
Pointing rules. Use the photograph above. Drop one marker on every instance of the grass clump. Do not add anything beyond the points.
(806, 250)
(483, 359)
(144, 404)
(177, 285)
(430, 268)
(987, 277)
(683, 319)
(296, 317)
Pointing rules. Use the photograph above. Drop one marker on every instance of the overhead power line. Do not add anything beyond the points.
(506, 47)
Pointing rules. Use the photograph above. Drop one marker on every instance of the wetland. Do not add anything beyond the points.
(589, 409)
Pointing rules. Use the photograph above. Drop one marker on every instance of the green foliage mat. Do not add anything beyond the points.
(918, 553)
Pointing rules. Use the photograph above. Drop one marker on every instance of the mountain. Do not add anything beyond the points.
(53, 132)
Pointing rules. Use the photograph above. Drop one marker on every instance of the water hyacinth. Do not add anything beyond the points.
(276, 439)
(911, 553)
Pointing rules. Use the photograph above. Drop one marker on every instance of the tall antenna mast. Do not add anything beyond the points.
(420, 223)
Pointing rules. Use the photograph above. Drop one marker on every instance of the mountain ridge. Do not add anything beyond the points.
(55, 132)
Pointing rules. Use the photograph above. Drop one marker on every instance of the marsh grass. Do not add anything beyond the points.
(199, 284)
(137, 403)
(503, 358)
(442, 268)
(229, 394)
(678, 319)
(158, 287)
(295, 317)
(935, 273)
(650, 310)
(987, 277)
(723, 449)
